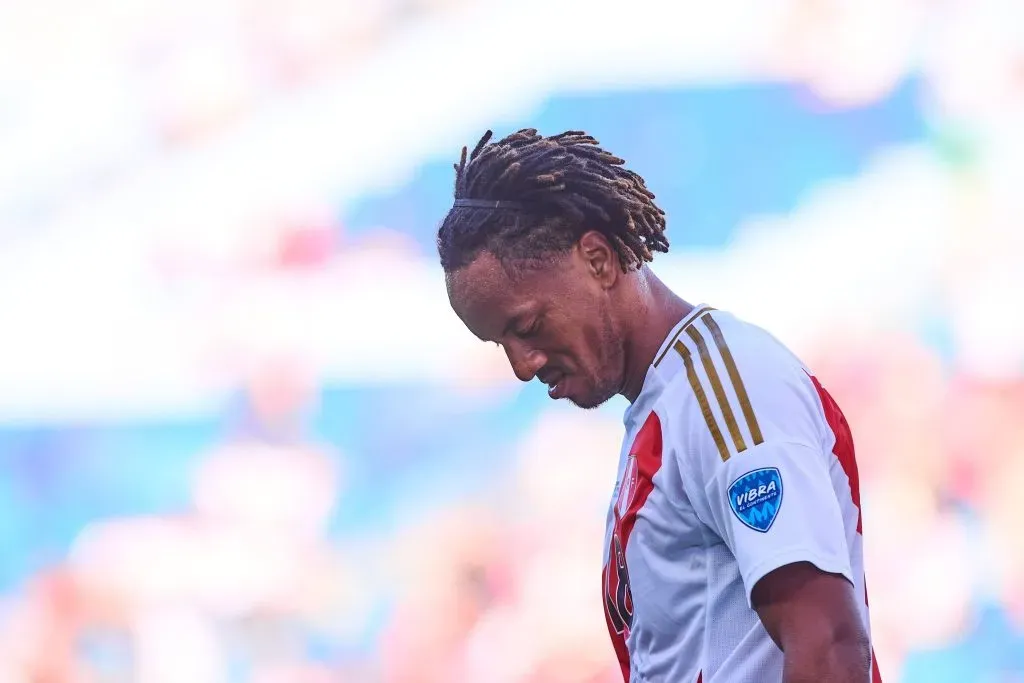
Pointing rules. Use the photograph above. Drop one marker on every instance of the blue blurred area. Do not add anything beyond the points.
(58, 479)
(991, 651)
(713, 156)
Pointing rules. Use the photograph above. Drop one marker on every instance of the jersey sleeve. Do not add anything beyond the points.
(753, 447)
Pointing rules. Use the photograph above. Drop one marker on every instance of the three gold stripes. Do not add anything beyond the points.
(717, 387)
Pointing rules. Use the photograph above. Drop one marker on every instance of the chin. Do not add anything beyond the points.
(590, 401)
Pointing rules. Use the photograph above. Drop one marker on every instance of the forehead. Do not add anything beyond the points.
(486, 297)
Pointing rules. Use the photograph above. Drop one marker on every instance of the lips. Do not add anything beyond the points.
(556, 386)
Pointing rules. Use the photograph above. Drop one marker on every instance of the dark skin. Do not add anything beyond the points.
(813, 618)
(577, 318)
(590, 331)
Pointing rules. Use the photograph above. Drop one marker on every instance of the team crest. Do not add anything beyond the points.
(756, 498)
(627, 489)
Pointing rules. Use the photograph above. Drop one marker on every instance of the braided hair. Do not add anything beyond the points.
(547, 192)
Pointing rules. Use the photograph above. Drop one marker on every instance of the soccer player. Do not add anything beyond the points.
(733, 552)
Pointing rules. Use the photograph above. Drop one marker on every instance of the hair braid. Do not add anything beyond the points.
(564, 185)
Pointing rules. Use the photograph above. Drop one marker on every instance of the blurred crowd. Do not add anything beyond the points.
(400, 512)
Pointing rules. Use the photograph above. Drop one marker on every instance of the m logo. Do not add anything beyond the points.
(755, 498)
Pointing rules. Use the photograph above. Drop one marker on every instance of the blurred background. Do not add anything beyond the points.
(242, 437)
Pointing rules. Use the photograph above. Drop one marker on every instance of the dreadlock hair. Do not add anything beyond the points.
(546, 193)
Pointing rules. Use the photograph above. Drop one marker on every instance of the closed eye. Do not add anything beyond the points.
(532, 331)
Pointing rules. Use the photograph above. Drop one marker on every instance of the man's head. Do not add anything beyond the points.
(540, 253)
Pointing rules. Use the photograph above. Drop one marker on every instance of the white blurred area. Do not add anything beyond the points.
(171, 178)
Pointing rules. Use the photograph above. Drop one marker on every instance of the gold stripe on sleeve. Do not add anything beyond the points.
(716, 386)
(734, 377)
(702, 400)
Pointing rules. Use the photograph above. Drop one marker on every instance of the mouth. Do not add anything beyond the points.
(556, 386)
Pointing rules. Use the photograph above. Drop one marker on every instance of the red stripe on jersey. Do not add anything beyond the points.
(843, 449)
(637, 483)
(844, 452)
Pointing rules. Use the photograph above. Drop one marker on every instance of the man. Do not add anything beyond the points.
(733, 552)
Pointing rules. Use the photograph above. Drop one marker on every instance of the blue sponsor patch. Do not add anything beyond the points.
(756, 498)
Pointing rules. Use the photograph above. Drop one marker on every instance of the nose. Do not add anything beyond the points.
(526, 362)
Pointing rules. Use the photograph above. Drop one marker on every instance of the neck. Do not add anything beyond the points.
(658, 310)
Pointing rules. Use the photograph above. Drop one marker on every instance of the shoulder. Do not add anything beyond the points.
(731, 386)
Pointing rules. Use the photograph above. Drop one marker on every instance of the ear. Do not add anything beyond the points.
(600, 259)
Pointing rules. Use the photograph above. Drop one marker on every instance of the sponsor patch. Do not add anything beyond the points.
(756, 497)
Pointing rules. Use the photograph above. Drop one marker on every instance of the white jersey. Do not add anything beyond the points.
(736, 462)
